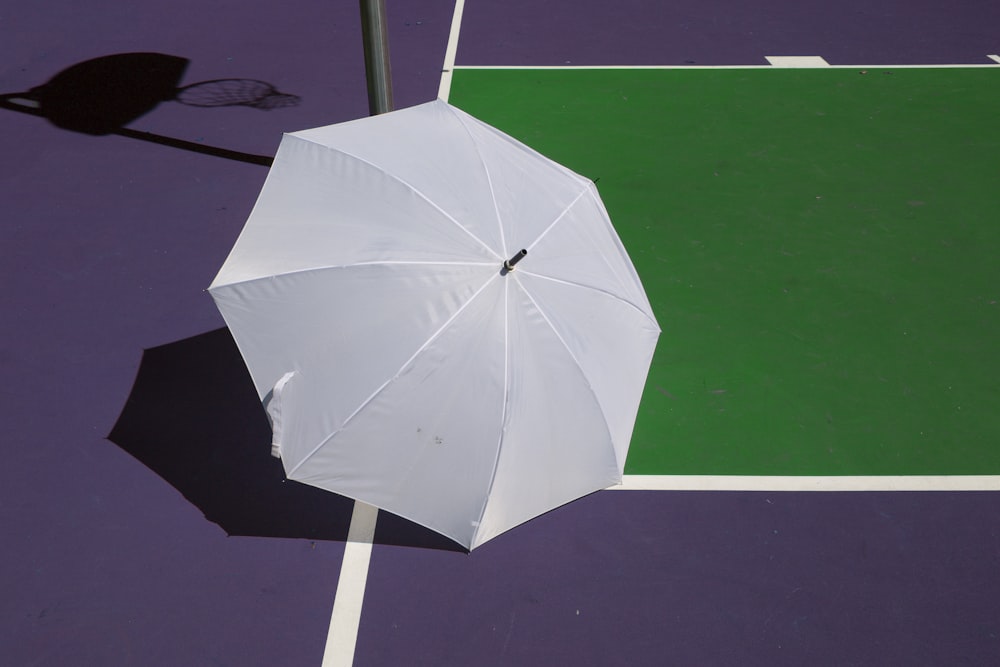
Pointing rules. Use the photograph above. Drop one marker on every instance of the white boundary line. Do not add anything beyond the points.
(449, 53)
(808, 483)
(797, 61)
(708, 67)
(345, 619)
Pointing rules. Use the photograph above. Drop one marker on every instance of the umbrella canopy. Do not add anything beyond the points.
(403, 358)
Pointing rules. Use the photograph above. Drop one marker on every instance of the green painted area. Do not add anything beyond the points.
(821, 248)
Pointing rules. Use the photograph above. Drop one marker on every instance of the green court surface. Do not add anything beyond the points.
(821, 248)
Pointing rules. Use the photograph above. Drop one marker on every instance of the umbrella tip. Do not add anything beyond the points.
(508, 265)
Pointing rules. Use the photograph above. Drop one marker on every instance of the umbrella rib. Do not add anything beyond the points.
(325, 267)
(610, 295)
(395, 375)
(560, 216)
(503, 409)
(572, 356)
(489, 178)
(416, 192)
(414, 262)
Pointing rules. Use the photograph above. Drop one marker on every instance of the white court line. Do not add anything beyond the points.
(994, 58)
(710, 67)
(342, 636)
(797, 61)
(808, 483)
(449, 53)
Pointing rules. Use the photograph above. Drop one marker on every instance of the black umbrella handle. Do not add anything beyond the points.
(508, 266)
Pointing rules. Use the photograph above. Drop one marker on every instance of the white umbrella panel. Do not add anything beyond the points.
(401, 362)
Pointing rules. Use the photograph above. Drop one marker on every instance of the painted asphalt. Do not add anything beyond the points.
(107, 245)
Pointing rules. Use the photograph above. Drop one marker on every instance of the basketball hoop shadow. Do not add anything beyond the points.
(103, 95)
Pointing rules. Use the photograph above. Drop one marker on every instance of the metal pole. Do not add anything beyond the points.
(378, 72)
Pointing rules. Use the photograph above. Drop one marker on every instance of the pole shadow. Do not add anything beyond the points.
(193, 417)
(102, 95)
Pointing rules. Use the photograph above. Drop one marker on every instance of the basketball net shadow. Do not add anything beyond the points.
(103, 95)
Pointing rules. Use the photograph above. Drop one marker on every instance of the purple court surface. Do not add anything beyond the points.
(727, 32)
(129, 536)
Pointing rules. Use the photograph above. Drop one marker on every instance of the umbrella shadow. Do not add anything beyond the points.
(193, 418)
(102, 95)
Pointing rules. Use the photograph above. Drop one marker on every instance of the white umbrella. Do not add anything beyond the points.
(401, 362)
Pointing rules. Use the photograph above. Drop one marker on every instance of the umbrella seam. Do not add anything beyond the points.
(607, 293)
(523, 147)
(558, 218)
(434, 336)
(486, 170)
(503, 412)
(408, 185)
(326, 267)
(579, 367)
(619, 464)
